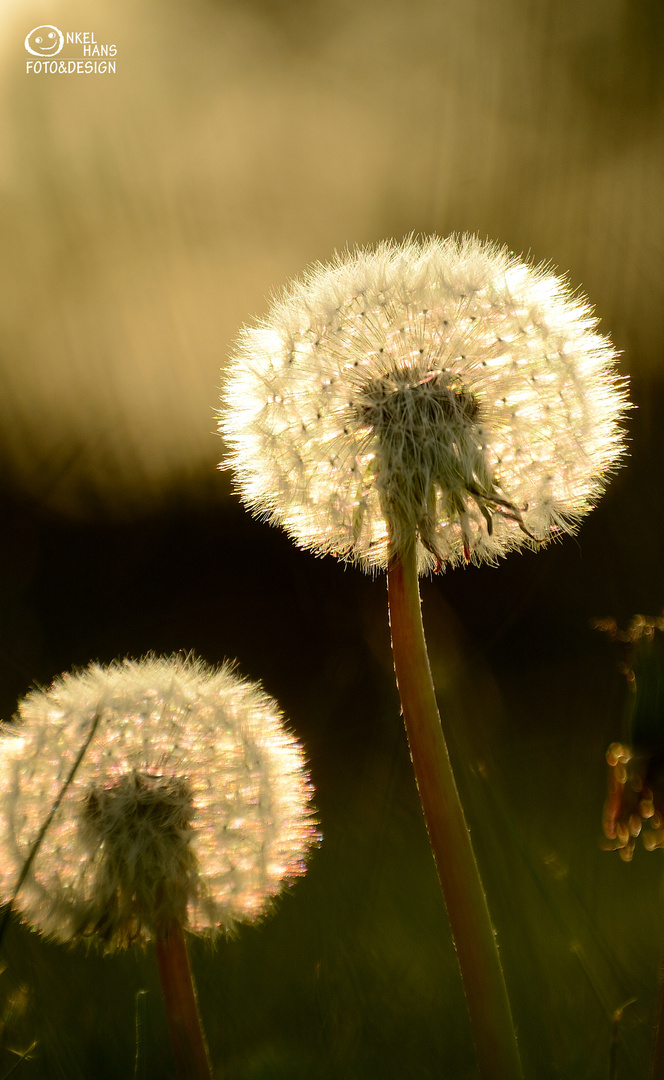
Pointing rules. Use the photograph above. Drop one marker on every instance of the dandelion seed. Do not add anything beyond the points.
(190, 809)
(444, 387)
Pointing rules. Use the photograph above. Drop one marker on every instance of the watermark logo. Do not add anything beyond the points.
(45, 41)
(84, 54)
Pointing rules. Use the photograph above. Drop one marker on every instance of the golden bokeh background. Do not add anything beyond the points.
(147, 214)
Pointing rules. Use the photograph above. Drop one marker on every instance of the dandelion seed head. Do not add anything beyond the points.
(444, 388)
(192, 802)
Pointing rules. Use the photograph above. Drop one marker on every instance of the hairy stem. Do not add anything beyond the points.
(472, 931)
(184, 1023)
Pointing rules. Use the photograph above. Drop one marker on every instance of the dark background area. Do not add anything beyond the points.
(145, 216)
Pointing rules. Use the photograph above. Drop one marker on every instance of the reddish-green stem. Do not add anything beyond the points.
(184, 1022)
(465, 899)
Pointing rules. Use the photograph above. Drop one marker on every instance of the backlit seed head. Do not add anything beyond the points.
(444, 389)
(191, 803)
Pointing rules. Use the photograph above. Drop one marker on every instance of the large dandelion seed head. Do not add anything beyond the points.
(444, 389)
(191, 803)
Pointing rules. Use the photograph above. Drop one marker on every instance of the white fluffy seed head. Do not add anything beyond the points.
(192, 802)
(442, 388)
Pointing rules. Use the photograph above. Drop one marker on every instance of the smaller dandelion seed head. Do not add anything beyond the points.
(191, 803)
(442, 388)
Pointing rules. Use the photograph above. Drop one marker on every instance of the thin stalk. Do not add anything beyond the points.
(184, 1023)
(616, 1021)
(140, 1059)
(46, 824)
(465, 899)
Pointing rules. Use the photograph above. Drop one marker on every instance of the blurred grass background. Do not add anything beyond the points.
(145, 216)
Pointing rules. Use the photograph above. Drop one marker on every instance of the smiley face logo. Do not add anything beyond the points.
(45, 41)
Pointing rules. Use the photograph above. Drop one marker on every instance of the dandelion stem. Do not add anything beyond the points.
(184, 1023)
(472, 931)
